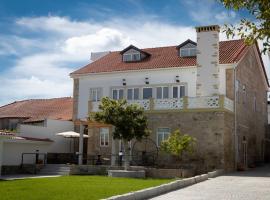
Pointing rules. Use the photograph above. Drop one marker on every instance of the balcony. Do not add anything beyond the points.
(185, 103)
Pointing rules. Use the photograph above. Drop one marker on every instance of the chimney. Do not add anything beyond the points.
(207, 60)
(97, 55)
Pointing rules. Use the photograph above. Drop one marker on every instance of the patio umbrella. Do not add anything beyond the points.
(71, 134)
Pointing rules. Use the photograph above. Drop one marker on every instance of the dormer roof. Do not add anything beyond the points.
(135, 48)
(185, 43)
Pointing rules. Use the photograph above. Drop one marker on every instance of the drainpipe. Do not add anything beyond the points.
(235, 118)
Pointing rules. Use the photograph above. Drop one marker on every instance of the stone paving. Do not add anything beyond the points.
(24, 176)
(249, 185)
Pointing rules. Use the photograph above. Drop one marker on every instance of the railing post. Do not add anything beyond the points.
(151, 104)
(185, 102)
(221, 100)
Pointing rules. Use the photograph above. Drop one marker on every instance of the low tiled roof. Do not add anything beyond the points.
(162, 57)
(34, 110)
(13, 136)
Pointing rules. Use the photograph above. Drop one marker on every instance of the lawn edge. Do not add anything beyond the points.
(167, 187)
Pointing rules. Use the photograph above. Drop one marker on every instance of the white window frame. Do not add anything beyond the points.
(103, 136)
(133, 89)
(97, 95)
(147, 88)
(188, 50)
(179, 95)
(162, 92)
(163, 134)
(117, 89)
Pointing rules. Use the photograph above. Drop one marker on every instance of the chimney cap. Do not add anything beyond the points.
(207, 28)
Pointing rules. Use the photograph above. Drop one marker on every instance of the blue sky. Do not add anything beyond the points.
(41, 42)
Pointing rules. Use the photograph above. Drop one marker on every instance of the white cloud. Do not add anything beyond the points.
(45, 61)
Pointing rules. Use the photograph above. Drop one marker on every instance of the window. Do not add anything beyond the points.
(104, 137)
(162, 135)
(117, 94)
(147, 93)
(131, 57)
(162, 92)
(133, 94)
(179, 91)
(95, 94)
(187, 52)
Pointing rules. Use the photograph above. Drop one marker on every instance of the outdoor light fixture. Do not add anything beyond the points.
(177, 80)
(146, 80)
(124, 82)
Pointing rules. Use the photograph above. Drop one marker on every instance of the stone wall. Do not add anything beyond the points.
(208, 127)
(251, 114)
(75, 98)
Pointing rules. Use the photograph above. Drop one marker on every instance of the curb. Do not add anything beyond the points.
(165, 188)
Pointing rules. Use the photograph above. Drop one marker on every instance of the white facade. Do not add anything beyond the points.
(158, 77)
(13, 148)
(60, 144)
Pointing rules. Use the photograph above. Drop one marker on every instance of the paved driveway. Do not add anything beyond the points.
(249, 185)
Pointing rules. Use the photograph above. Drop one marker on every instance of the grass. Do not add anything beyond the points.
(73, 187)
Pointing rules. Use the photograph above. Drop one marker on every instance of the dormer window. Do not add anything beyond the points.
(133, 54)
(187, 49)
(187, 52)
(131, 57)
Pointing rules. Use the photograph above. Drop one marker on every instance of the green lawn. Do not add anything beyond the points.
(72, 187)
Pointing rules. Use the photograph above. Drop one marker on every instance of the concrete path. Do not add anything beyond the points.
(250, 185)
(24, 176)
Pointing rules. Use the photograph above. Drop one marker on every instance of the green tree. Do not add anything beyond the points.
(129, 121)
(251, 31)
(178, 143)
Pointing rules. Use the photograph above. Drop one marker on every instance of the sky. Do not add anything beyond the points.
(42, 42)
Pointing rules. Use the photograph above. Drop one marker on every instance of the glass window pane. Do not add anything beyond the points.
(136, 57)
(98, 91)
(127, 57)
(192, 52)
(129, 94)
(182, 91)
(184, 52)
(147, 93)
(159, 92)
(165, 92)
(160, 137)
(114, 96)
(175, 92)
(136, 93)
(121, 94)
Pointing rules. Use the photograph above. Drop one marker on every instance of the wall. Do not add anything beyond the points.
(135, 78)
(60, 144)
(212, 130)
(13, 149)
(251, 122)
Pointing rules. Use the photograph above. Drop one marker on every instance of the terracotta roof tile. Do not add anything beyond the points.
(39, 109)
(162, 57)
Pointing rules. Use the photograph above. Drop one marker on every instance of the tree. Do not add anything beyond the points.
(178, 143)
(129, 121)
(248, 30)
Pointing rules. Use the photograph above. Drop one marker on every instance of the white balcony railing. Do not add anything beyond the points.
(211, 102)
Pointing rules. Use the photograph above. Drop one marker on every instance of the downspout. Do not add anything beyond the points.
(235, 118)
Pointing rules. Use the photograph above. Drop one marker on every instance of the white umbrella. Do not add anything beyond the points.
(71, 134)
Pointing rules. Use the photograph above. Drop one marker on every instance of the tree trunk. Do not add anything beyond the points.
(127, 156)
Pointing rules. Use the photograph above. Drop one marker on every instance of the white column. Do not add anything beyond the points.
(1, 154)
(80, 160)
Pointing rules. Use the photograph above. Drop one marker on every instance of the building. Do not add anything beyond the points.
(32, 126)
(213, 90)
